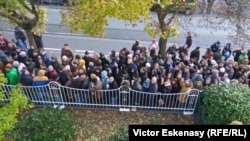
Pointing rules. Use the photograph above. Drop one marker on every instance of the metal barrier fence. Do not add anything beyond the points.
(122, 99)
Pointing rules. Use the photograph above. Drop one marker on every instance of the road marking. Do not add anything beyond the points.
(57, 50)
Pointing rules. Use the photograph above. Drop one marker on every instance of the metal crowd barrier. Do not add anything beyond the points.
(122, 99)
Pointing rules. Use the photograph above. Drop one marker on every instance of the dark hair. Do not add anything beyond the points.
(77, 57)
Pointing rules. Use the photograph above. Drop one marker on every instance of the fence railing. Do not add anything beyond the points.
(122, 99)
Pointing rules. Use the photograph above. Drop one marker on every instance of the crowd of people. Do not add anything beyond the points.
(141, 68)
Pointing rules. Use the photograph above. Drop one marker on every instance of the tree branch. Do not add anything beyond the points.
(22, 2)
(171, 19)
(31, 10)
(16, 20)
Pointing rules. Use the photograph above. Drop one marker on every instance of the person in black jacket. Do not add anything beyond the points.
(25, 78)
(195, 54)
(62, 76)
(38, 40)
(19, 34)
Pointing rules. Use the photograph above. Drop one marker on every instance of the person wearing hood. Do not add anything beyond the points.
(186, 87)
(41, 93)
(104, 80)
(11, 74)
(40, 77)
(80, 62)
(242, 57)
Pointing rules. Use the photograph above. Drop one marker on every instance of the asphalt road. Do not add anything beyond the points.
(204, 35)
(53, 43)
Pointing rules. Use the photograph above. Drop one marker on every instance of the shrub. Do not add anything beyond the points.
(224, 103)
(45, 124)
(10, 110)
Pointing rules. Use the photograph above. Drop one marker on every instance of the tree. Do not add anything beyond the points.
(25, 14)
(91, 16)
(9, 111)
(232, 16)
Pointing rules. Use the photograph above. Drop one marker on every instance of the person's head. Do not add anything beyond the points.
(112, 53)
(154, 80)
(8, 66)
(22, 54)
(18, 49)
(218, 43)
(66, 46)
(198, 48)
(94, 80)
(236, 122)
(243, 48)
(50, 68)
(189, 34)
(135, 76)
(137, 42)
(129, 61)
(188, 83)
(83, 77)
(10, 45)
(225, 75)
(111, 79)
(101, 54)
(41, 50)
(104, 74)
(92, 75)
(174, 45)
(78, 57)
(35, 52)
(208, 81)
(28, 61)
(156, 66)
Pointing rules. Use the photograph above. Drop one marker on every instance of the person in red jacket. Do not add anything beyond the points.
(3, 43)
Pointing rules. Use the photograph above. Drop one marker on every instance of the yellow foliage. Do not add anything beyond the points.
(91, 16)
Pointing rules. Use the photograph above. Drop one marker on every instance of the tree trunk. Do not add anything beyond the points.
(30, 37)
(163, 47)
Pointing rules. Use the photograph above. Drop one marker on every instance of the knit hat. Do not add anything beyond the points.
(22, 53)
(148, 64)
(15, 63)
